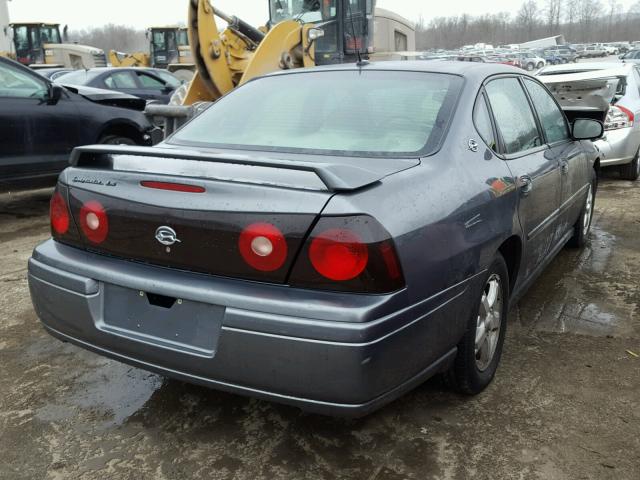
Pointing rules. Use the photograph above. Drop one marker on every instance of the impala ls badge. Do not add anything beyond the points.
(167, 236)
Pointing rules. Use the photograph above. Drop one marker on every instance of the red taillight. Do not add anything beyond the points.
(174, 187)
(94, 221)
(263, 247)
(628, 112)
(59, 214)
(349, 254)
(618, 117)
(338, 254)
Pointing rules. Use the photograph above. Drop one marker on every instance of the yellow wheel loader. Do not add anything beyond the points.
(168, 48)
(300, 33)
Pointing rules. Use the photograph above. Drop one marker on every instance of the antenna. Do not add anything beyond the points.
(360, 62)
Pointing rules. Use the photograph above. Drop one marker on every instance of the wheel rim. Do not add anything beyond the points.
(489, 322)
(588, 212)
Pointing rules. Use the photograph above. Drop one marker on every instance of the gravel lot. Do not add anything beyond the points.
(565, 403)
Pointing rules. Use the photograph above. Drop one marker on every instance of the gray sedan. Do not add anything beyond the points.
(327, 238)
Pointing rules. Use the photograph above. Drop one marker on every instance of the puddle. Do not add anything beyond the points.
(586, 292)
(111, 392)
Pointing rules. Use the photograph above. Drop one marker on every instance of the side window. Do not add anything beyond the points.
(482, 121)
(551, 117)
(147, 81)
(120, 80)
(513, 115)
(17, 84)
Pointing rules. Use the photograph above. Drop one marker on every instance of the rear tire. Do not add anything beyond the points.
(582, 227)
(117, 140)
(631, 171)
(540, 65)
(480, 349)
(529, 67)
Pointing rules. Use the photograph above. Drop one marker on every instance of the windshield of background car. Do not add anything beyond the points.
(359, 113)
(79, 77)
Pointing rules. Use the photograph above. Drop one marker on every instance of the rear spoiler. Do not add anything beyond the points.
(339, 175)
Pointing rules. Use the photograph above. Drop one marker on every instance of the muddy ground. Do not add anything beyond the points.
(565, 403)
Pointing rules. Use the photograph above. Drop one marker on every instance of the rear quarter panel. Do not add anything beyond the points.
(448, 216)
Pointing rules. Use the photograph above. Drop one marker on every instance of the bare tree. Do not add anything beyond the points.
(112, 37)
(553, 10)
(577, 20)
(528, 17)
(588, 11)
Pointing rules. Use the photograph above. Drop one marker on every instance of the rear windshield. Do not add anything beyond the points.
(373, 113)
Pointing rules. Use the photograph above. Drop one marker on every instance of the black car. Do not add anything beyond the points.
(147, 83)
(41, 122)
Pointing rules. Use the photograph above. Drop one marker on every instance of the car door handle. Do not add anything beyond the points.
(564, 167)
(526, 184)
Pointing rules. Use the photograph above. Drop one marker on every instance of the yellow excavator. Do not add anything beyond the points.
(299, 33)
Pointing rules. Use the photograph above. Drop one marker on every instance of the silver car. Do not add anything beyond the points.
(632, 56)
(530, 61)
(577, 87)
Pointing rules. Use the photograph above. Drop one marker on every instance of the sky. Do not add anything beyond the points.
(144, 13)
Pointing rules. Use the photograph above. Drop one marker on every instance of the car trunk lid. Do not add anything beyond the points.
(586, 94)
(189, 210)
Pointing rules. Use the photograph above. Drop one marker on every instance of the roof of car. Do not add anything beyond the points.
(466, 69)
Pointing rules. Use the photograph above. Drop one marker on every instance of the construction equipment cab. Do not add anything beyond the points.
(169, 45)
(40, 44)
(345, 25)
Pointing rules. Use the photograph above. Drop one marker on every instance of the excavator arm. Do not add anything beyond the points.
(136, 59)
(227, 59)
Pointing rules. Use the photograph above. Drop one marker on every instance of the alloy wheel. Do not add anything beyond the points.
(489, 322)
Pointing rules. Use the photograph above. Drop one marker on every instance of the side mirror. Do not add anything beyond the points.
(587, 129)
(54, 94)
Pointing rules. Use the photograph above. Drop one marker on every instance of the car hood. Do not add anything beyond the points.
(108, 97)
(592, 90)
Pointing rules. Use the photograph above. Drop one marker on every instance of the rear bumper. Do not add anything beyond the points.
(618, 147)
(329, 353)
